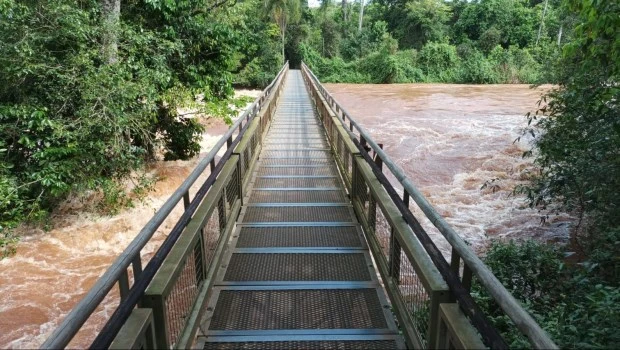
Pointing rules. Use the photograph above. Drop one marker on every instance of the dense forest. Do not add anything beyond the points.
(400, 41)
(90, 92)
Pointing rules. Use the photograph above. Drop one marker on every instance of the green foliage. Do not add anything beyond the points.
(514, 65)
(527, 269)
(438, 62)
(514, 20)
(331, 38)
(475, 68)
(260, 53)
(284, 13)
(71, 122)
(571, 302)
(578, 140)
(489, 39)
(434, 28)
(427, 18)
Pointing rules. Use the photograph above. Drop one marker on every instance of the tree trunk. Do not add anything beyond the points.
(283, 44)
(344, 11)
(542, 22)
(359, 27)
(560, 35)
(111, 14)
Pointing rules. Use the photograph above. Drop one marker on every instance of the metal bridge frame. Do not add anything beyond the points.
(430, 297)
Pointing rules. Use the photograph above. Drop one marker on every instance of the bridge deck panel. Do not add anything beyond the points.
(298, 309)
(278, 196)
(298, 267)
(305, 345)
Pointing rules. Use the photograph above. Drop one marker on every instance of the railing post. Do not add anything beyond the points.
(186, 200)
(123, 284)
(378, 159)
(137, 266)
(395, 258)
(239, 180)
(137, 271)
(354, 180)
(221, 207)
(467, 277)
(454, 330)
(437, 297)
(455, 266)
(137, 332)
(158, 305)
(455, 262)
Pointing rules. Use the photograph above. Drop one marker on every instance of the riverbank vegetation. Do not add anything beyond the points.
(90, 92)
(573, 290)
(407, 41)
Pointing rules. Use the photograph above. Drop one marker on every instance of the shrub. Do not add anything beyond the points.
(475, 68)
(489, 39)
(438, 62)
(70, 121)
(514, 65)
(570, 301)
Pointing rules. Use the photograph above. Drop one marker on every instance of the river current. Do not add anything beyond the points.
(449, 139)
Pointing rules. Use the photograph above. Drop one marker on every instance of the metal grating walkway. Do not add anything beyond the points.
(297, 274)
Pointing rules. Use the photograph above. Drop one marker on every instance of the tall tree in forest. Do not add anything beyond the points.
(110, 13)
(578, 142)
(284, 12)
(361, 20)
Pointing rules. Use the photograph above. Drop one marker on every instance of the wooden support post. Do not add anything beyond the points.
(395, 258)
(378, 160)
(158, 305)
(455, 262)
(406, 198)
(186, 200)
(467, 277)
(221, 207)
(239, 180)
(137, 266)
(123, 284)
(137, 271)
(437, 298)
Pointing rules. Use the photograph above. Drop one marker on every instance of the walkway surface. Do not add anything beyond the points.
(298, 273)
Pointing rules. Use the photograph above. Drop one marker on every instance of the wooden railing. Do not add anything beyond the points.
(163, 306)
(430, 297)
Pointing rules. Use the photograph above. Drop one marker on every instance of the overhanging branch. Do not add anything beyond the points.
(216, 4)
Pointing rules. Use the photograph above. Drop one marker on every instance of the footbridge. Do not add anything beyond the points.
(298, 232)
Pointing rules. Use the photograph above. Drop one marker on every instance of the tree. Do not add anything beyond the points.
(331, 38)
(416, 22)
(85, 102)
(110, 18)
(284, 12)
(359, 27)
(516, 21)
(578, 142)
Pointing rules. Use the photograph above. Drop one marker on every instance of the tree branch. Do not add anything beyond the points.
(216, 4)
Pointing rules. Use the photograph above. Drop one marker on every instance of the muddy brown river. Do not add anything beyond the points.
(449, 139)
